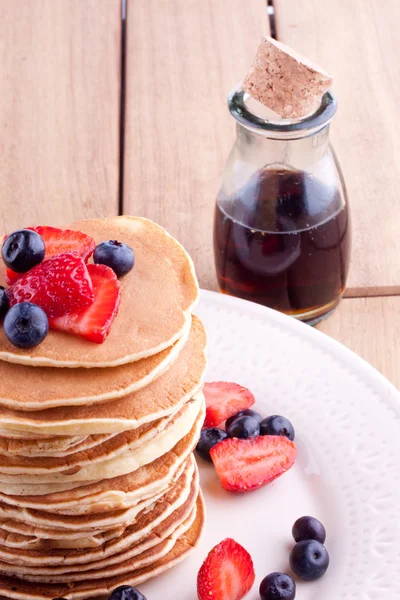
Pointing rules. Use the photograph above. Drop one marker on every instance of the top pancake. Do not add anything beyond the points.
(156, 300)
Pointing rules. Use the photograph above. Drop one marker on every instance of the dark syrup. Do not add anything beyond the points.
(283, 241)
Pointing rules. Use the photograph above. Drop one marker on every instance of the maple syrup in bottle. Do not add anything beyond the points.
(282, 227)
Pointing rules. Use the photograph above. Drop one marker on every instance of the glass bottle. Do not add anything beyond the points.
(282, 226)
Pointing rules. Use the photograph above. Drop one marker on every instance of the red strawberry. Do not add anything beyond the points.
(226, 574)
(245, 465)
(223, 400)
(58, 285)
(94, 322)
(58, 241)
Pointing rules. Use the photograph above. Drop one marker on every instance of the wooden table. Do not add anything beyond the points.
(71, 149)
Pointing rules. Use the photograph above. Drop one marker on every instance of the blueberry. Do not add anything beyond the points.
(208, 439)
(243, 413)
(116, 255)
(26, 325)
(244, 428)
(309, 559)
(22, 250)
(277, 425)
(308, 528)
(126, 592)
(3, 301)
(277, 586)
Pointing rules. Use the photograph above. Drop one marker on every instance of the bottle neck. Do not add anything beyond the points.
(300, 153)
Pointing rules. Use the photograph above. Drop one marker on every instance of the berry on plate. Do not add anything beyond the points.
(22, 250)
(309, 559)
(246, 465)
(244, 428)
(277, 425)
(277, 586)
(126, 592)
(4, 304)
(94, 322)
(308, 528)
(116, 255)
(223, 400)
(208, 439)
(244, 413)
(58, 241)
(59, 285)
(226, 574)
(26, 325)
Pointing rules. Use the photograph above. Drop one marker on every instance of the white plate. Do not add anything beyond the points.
(347, 421)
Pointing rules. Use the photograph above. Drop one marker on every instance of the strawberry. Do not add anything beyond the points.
(226, 574)
(58, 241)
(58, 285)
(223, 400)
(94, 322)
(245, 465)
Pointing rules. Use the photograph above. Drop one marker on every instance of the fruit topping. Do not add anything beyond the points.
(4, 304)
(226, 574)
(246, 465)
(22, 250)
(309, 559)
(58, 241)
(26, 325)
(276, 425)
(277, 586)
(208, 439)
(126, 592)
(94, 322)
(308, 528)
(116, 255)
(223, 400)
(244, 413)
(59, 285)
(244, 427)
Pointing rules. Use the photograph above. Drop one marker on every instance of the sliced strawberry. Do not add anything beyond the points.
(58, 241)
(226, 574)
(245, 465)
(58, 285)
(94, 322)
(223, 400)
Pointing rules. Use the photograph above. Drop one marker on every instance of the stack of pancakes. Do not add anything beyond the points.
(98, 484)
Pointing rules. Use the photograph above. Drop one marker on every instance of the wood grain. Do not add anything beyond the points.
(358, 42)
(183, 58)
(371, 328)
(59, 110)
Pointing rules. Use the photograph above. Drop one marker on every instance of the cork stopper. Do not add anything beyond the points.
(284, 81)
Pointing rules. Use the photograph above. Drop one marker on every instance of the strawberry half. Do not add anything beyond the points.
(223, 400)
(58, 241)
(94, 322)
(245, 465)
(58, 285)
(226, 574)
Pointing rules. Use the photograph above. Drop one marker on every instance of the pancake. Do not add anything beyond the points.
(125, 462)
(31, 542)
(163, 274)
(95, 448)
(117, 493)
(48, 527)
(178, 501)
(23, 388)
(54, 447)
(161, 397)
(11, 587)
(57, 445)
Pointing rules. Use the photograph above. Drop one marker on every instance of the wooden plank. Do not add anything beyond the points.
(59, 110)
(183, 58)
(371, 328)
(358, 42)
